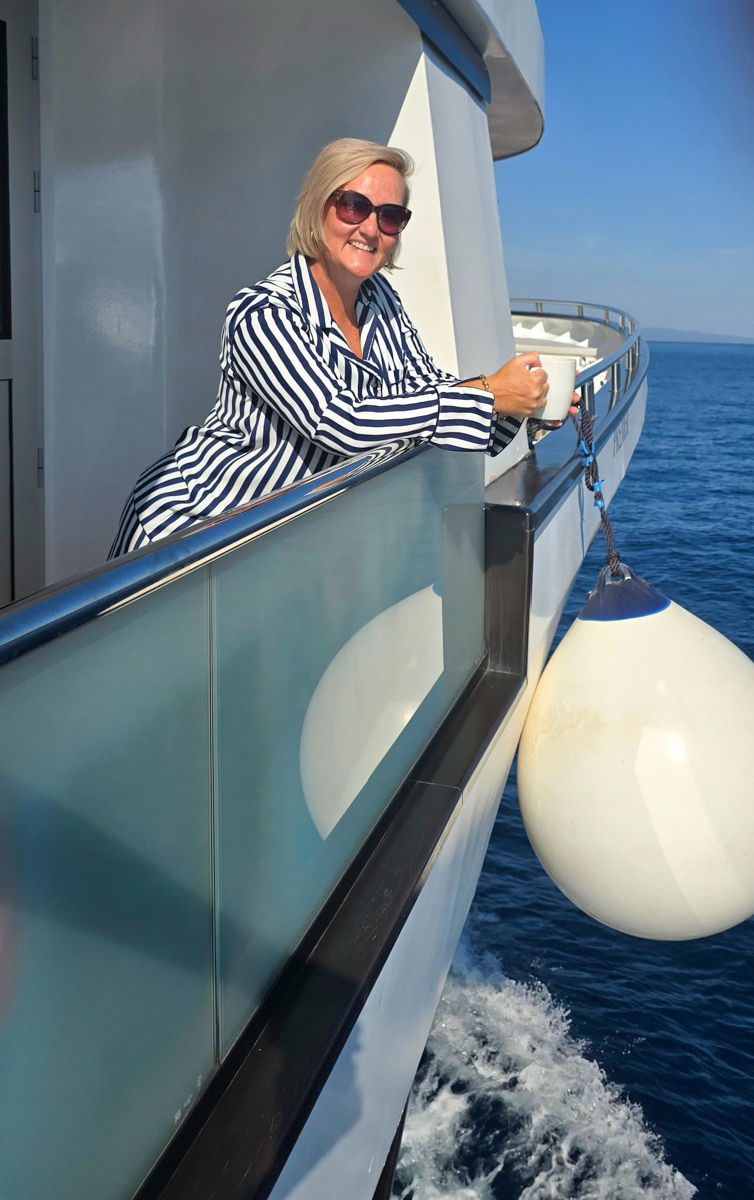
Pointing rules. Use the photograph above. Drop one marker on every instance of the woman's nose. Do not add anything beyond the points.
(370, 226)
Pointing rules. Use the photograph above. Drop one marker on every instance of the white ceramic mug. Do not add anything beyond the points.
(561, 375)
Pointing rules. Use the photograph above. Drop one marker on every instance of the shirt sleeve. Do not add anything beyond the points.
(420, 365)
(270, 349)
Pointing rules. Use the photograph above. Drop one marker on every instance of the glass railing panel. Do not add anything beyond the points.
(341, 639)
(106, 1001)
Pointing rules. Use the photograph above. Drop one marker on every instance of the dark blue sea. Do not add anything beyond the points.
(568, 1060)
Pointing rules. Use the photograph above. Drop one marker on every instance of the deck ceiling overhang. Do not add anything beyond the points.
(507, 35)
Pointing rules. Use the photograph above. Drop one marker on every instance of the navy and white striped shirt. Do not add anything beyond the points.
(294, 399)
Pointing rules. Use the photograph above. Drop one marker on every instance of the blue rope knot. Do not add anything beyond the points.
(596, 487)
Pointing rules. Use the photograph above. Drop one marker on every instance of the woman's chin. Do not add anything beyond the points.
(362, 265)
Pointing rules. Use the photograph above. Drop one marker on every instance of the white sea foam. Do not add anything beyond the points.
(509, 1105)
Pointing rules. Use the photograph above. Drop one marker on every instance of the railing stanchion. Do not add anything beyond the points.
(614, 384)
(587, 393)
(629, 367)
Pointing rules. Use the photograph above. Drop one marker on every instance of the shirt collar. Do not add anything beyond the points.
(309, 296)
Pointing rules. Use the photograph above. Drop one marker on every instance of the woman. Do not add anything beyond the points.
(320, 361)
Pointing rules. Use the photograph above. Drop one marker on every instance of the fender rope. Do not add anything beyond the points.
(585, 429)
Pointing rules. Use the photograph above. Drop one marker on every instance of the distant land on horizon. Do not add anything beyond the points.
(659, 334)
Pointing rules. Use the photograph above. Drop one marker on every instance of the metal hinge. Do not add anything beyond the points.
(35, 58)
(37, 191)
(40, 467)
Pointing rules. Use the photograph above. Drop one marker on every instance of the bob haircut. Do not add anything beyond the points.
(335, 164)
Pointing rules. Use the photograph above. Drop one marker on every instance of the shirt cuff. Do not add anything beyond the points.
(464, 418)
(502, 433)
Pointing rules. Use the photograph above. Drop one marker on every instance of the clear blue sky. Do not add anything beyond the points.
(641, 192)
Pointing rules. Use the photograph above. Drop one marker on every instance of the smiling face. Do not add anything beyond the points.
(351, 253)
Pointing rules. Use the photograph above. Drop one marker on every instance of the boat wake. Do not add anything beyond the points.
(506, 1104)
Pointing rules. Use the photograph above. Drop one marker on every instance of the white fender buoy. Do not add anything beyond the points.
(636, 767)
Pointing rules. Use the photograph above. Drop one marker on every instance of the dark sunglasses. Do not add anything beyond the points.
(352, 208)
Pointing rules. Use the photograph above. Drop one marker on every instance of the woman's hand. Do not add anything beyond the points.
(519, 387)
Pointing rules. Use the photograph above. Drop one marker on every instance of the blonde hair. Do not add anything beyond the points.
(335, 164)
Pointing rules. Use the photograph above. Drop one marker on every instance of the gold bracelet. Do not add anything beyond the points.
(485, 384)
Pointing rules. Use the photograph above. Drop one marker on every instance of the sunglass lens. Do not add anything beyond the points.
(392, 218)
(352, 207)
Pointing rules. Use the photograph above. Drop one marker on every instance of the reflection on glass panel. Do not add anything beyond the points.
(341, 639)
(106, 1014)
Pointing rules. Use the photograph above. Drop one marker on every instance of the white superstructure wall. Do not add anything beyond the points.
(453, 274)
(175, 135)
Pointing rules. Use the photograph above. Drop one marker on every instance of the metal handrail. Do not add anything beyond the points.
(74, 602)
(580, 307)
(620, 373)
